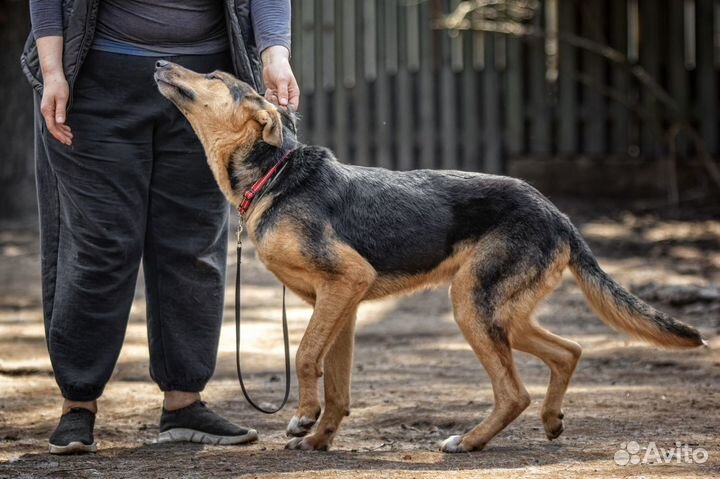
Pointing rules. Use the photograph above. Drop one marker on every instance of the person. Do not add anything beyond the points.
(122, 178)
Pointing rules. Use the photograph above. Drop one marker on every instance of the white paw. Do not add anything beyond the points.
(298, 443)
(299, 426)
(453, 444)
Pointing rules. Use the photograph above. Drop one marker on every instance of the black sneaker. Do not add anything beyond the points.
(197, 423)
(74, 433)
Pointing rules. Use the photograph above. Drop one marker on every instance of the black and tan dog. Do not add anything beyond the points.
(337, 235)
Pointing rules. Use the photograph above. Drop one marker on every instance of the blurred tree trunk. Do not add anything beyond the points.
(17, 187)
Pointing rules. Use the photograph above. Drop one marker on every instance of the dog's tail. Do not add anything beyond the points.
(622, 310)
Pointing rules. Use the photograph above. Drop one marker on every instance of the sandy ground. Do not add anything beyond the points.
(415, 379)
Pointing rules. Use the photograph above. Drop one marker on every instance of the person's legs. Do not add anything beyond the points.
(185, 253)
(184, 264)
(93, 198)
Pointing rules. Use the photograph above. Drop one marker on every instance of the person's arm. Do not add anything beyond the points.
(271, 23)
(46, 19)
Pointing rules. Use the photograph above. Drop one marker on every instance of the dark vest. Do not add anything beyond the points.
(79, 17)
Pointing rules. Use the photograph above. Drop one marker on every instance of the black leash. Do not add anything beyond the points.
(237, 335)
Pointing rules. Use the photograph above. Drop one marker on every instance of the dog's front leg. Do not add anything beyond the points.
(334, 313)
(337, 374)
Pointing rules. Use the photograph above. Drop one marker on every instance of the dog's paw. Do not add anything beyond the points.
(553, 424)
(300, 426)
(306, 444)
(453, 444)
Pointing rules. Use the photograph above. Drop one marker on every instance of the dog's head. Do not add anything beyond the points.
(229, 117)
(220, 106)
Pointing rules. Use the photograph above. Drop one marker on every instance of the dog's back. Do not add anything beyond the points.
(409, 222)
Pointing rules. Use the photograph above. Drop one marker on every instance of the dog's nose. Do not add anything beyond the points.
(161, 63)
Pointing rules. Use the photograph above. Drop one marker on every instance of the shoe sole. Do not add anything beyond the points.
(75, 447)
(199, 437)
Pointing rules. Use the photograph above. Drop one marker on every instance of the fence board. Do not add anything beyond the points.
(361, 126)
(307, 45)
(340, 99)
(412, 12)
(327, 13)
(382, 123)
(319, 124)
(448, 126)
(404, 106)
(567, 65)
(349, 43)
(650, 133)
(470, 99)
(514, 100)
(594, 111)
(677, 74)
(491, 103)
(620, 79)
(539, 119)
(426, 89)
(706, 76)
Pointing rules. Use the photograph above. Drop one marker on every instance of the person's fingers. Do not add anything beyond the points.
(47, 109)
(66, 131)
(60, 132)
(294, 95)
(60, 108)
(61, 136)
(282, 93)
(271, 95)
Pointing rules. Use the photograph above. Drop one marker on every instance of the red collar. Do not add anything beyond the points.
(257, 187)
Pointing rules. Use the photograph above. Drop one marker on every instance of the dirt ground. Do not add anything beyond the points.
(415, 379)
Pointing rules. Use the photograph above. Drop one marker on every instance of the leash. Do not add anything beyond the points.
(249, 196)
(286, 339)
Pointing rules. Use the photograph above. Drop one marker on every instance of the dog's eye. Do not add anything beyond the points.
(212, 76)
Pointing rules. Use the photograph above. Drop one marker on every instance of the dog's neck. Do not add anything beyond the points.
(249, 165)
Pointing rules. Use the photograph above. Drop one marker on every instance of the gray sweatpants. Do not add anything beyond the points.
(134, 184)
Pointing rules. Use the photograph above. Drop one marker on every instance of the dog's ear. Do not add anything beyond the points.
(269, 119)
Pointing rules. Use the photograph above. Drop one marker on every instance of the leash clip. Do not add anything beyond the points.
(239, 231)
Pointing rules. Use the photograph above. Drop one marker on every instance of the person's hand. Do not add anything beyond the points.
(54, 105)
(282, 88)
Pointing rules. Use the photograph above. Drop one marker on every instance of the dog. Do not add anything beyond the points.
(338, 235)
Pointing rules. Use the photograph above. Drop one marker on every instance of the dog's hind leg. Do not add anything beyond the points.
(336, 375)
(561, 355)
(485, 330)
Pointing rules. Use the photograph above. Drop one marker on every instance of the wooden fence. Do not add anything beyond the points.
(381, 86)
